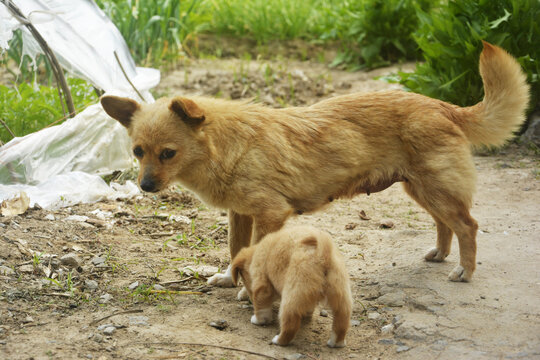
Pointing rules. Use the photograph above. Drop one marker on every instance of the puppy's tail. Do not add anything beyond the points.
(492, 121)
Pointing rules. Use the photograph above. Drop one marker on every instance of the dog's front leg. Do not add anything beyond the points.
(240, 228)
(267, 223)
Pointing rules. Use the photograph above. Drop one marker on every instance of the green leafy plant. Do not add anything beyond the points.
(377, 32)
(450, 39)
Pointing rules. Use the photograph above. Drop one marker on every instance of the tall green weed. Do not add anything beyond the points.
(450, 40)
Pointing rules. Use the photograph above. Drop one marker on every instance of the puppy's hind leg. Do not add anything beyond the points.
(240, 227)
(340, 300)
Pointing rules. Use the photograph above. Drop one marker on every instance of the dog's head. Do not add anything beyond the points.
(164, 136)
(240, 268)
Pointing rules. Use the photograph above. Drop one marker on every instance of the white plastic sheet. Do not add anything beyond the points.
(70, 189)
(48, 164)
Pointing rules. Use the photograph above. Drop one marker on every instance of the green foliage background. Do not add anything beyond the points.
(445, 35)
(450, 41)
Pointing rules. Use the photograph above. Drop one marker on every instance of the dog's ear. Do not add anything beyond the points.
(120, 108)
(187, 110)
(238, 265)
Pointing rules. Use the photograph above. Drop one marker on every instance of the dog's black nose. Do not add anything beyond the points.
(148, 185)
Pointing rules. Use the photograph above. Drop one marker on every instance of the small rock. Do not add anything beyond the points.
(79, 218)
(387, 329)
(138, 320)
(109, 330)
(133, 285)
(386, 341)
(6, 271)
(393, 299)
(200, 270)
(70, 260)
(28, 319)
(402, 348)
(373, 315)
(386, 224)
(97, 338)
(26, 268)
(98, 261)
(294, 356)
(159, 287)
(323, 313)
(50, 217)
(355, 322)
(105, 298)
(91, 284)
(350, 226)
(104, 326)
(219, 324)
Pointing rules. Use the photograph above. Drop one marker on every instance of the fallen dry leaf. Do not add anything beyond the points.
(363, 215)
(15, 206)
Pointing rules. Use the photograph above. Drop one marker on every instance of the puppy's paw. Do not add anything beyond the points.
(435, 255)
(332, 342)
(243, 294)
(460, 274)
(221, 280)
(262, 317)
(275, 341)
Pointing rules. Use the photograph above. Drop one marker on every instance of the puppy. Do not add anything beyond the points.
(265, 165)
(302, 266)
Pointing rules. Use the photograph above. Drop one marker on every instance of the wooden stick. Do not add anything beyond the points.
(116, 313)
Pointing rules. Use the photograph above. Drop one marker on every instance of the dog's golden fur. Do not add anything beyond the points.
(302, 266)
(265, 165)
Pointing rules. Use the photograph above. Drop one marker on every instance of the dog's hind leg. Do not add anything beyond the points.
(240, 228)
(444, 242)
(450, 208)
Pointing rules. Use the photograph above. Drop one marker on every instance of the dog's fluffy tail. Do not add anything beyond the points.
(492, 121)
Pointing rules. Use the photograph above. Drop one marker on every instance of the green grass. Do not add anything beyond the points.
(154, 29)
(27, 108)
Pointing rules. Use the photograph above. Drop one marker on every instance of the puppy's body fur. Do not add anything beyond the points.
(265, 165)
(302, 266)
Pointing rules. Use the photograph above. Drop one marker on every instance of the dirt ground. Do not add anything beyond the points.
(126, 279)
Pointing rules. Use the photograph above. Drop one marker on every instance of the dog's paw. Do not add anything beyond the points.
(262, 317)
(332, 342)
(435, 255)
(460, 274)
(243, 294)
(275, 341)
(221, 280)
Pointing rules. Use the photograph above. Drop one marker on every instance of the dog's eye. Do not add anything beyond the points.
(167, 154)
(138, 152)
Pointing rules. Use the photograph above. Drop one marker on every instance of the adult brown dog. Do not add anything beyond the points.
(302, 266)
(265, 165)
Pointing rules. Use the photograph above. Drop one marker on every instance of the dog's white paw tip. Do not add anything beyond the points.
(459, 274)
(242, 295)
(254, 320)
(331, 343)
(435, 255)
(221, 280)
(275, 340)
